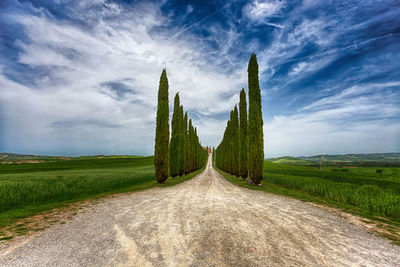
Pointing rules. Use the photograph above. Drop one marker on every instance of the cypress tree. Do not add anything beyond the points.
(174, 155)
(191, 149)
(161, 146)
(181, 142)
(186, 143)
(243, 135)
(225, 149)
(236, 142)
(255, 134)
(213, 155)
(230, 142)
(196, 149)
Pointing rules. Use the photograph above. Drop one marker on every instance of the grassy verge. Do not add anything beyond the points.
(361, 192)
(30, 189)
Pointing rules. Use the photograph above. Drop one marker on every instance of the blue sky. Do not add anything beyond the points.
(81, 77)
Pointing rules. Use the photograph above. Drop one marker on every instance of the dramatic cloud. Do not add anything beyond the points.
(258, 10)
(81, 77)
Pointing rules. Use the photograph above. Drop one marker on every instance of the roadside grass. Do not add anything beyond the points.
(359, 191)
(30, 189)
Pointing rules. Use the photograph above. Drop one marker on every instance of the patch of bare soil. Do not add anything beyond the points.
(205, 221)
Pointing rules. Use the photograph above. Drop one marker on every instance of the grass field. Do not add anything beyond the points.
(359, 189)
(26, 189)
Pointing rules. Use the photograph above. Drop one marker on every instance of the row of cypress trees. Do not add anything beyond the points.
(241, 151)
(228, 152)
(184, 153)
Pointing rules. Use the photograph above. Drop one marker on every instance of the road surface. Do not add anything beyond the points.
(205, 221)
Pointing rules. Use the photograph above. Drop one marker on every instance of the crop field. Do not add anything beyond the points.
(26, 189)
(366, 190)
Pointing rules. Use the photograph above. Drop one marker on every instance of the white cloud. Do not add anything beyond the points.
(69, 110)
(347, 122)
(304, 68)
(189, 9)
(356, 93)
(298, 68)
(259, 10)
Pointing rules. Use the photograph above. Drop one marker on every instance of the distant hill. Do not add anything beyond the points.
(19, 156)
(342, 160)
(11, 158)
(288, 159)
(374, 157)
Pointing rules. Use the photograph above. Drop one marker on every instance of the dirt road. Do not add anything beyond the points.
(204, 222)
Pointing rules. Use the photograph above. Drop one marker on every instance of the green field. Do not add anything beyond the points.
(358, 189)
(26, 189)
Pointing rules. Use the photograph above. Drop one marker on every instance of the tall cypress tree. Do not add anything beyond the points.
(243, 135)
(161, 146)
(256, 137)
(230, 141)
(191, 142)
(196, 150)
(236, 142)
(174, 155)
(181, 142)
(213, 155)
(186, 143)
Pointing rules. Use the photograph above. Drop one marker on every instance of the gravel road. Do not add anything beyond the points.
(205, 221)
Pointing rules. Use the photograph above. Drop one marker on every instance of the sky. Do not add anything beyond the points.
(80, 77)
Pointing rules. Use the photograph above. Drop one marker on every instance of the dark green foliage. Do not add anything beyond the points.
(241, 151)
(235, 142)
(174, 155)
(213, 154)
(189, 154)
(196, 149)
(230, 144)
(186, 143)
(227, 157)
(181, 142)
(255, 134)
(191, 146)
(161, 148)
(243, 170)
(379, 171)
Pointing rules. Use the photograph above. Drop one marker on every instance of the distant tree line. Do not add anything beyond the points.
(241, 151)
(183, 153)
